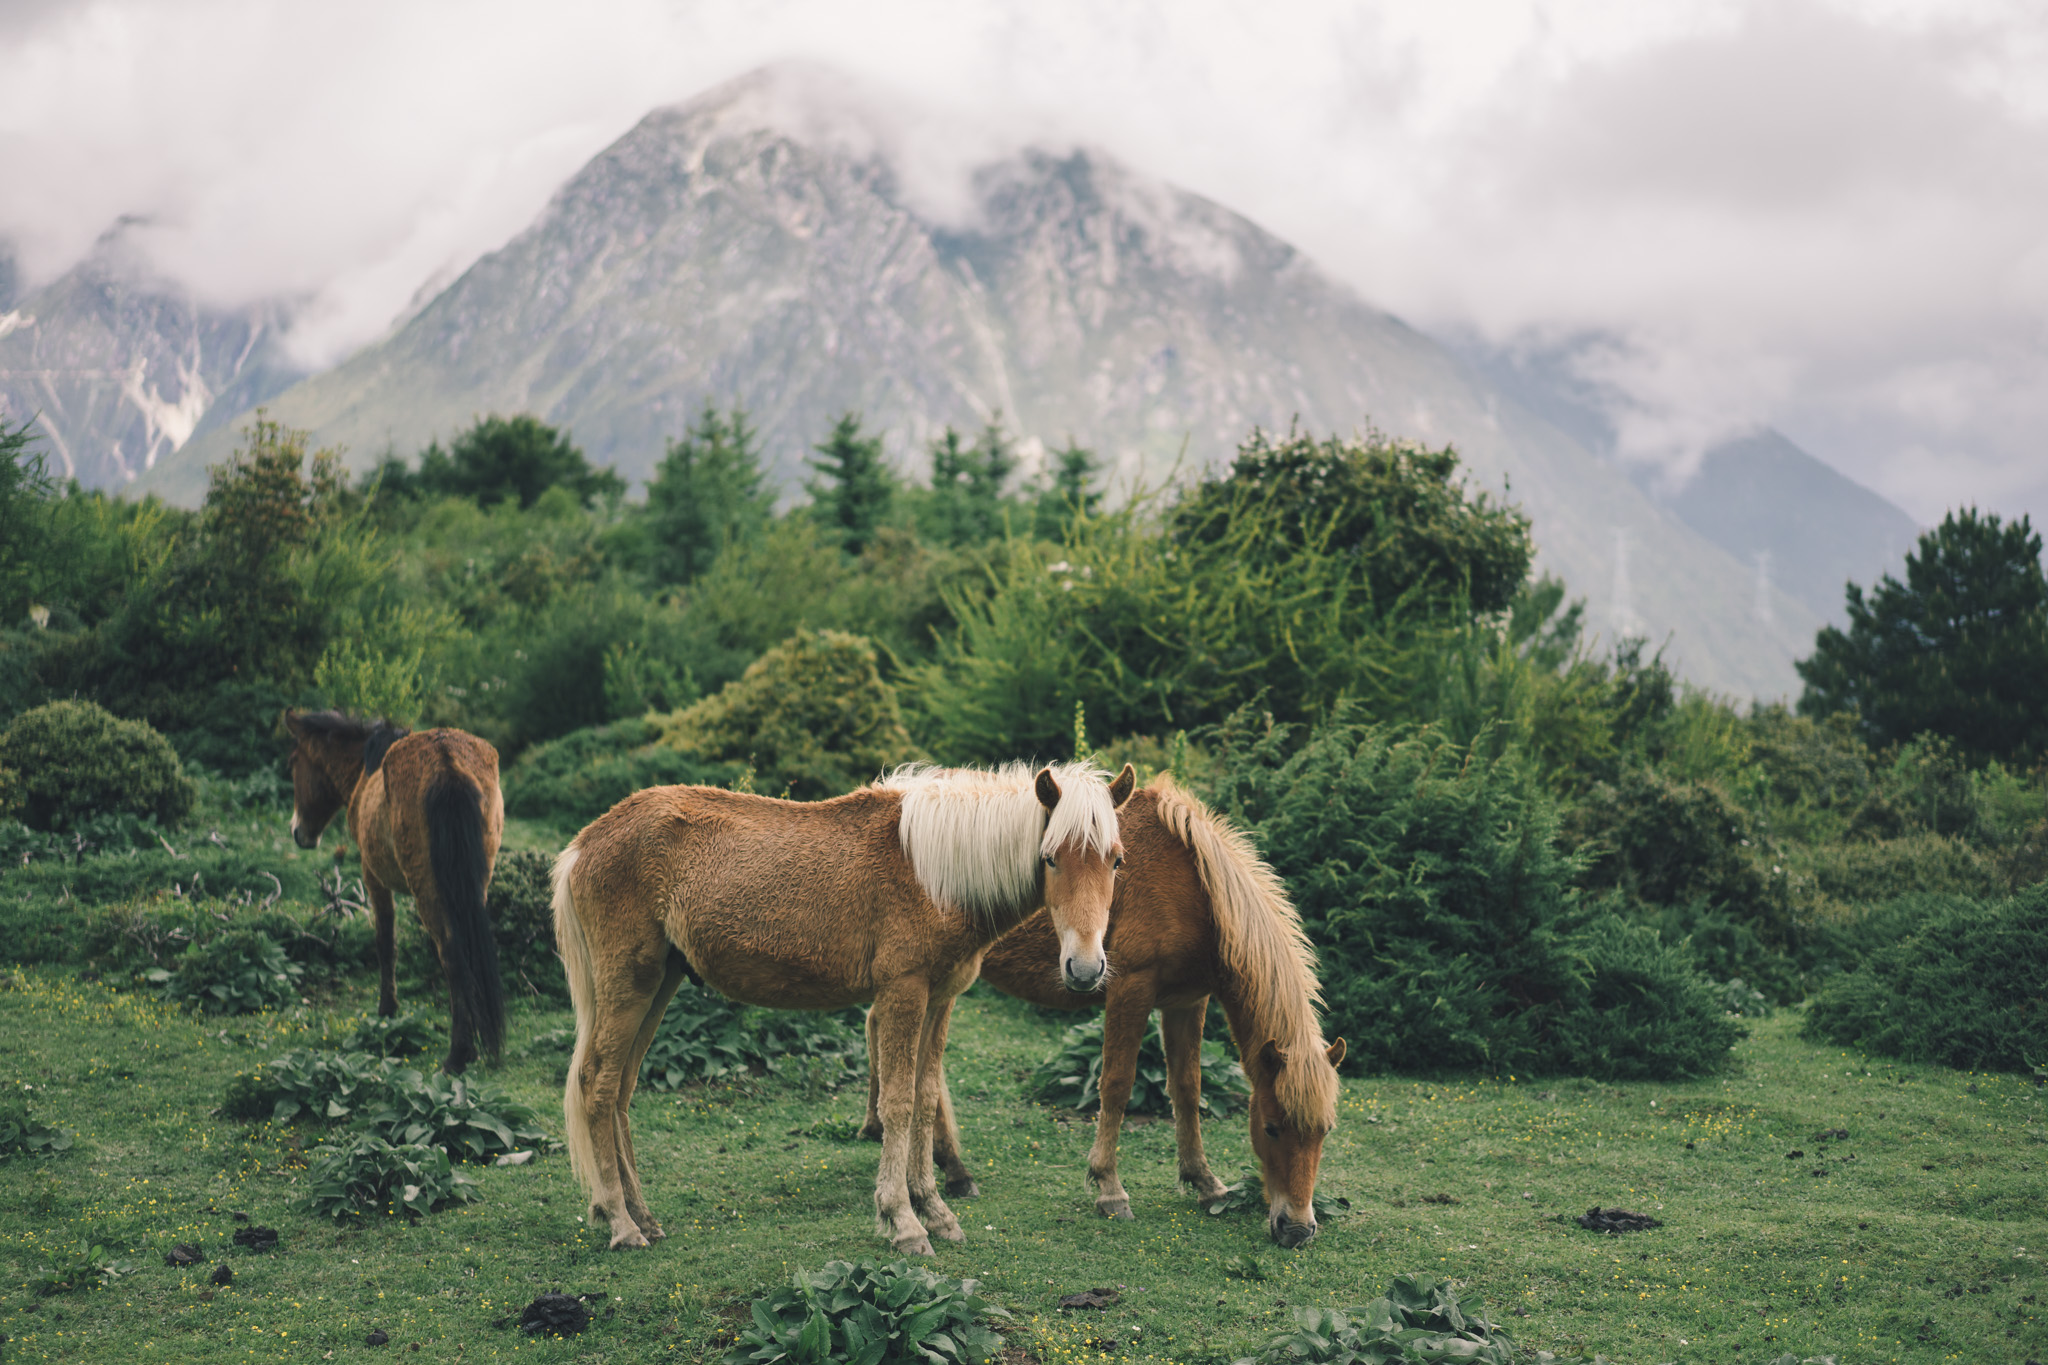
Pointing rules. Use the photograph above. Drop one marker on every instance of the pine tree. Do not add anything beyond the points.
(1071, 491)
(707, 493)
(1959, 649)
(854, 487)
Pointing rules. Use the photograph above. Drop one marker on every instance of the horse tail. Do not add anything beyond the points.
(462, 876)
(575, 951)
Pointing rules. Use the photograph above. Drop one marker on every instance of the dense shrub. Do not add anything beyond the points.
(1967, 987)
(866, 1314)
(471, 1120)
(521, 905)
(1072, 1075)
(75, 760)
(1430, 880)
(1646, 1012)
(812, 717)
(575, 779)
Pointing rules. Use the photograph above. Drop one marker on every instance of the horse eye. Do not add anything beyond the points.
(1273, 1130)
(1049, 862)
(1119, 861)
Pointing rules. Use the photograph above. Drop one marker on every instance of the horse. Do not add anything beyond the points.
(889, 894)
(1197, 913)
(427, 815)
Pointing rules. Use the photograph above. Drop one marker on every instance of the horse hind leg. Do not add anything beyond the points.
(946, 1145)
(1182, 1030)
(629, 1162)
(897, 1019)
(871, 1129)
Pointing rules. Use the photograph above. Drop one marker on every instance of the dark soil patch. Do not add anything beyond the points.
(1616, 1221)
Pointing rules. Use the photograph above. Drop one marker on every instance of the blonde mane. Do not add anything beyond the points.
(975, 835)
(1263, 946)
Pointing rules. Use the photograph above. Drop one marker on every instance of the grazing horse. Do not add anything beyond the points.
(426, 813)
(889, 894)
(1197, 913)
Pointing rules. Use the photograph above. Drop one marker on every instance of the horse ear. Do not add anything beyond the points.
(1121, 789)
(1272, 1057)
(1048, 790)
(1336, 1053)
(290, 720)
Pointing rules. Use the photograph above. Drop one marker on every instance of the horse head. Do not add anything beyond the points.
(1288, 1128)
(1080, 879)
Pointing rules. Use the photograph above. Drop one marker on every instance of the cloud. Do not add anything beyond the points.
(1823, 216)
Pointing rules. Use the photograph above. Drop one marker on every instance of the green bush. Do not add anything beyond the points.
(363, 1174)
(396, 1035)
(812, 717)
(1072, 1076)
(859, 1313)
(1419, 1320)
(1646, 1014)
(522, 909)
(1967, 988)
(238, 972)
(75, 760)
(575, 779)
(705, 1037)
(1429, 877)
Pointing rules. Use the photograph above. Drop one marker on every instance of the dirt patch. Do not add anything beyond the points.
(1616, 1221)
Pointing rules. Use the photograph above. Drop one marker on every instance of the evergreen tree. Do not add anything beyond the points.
(966, 502)
(26, 494)
(1960, 648)
(513, 457)
(1070, 492)
(707, 493)
(854, 487)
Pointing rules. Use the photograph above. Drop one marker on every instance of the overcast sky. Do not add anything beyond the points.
(1830, 217)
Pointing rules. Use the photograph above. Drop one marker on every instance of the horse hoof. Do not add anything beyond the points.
(871, 1133)
(625, 1240)
(914, 1246)
(652, 1231)
(1113, 1208)
(963, 1188)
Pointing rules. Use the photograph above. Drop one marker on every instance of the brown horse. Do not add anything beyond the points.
(426, 813)
(889, 894)
(1197, 913)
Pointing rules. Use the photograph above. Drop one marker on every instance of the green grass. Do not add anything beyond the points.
(1906, 1248)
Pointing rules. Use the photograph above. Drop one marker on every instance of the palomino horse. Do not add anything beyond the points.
(889, 894)
(426, 812)
(1197, 913)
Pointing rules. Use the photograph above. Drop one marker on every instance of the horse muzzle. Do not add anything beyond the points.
(303, 837)
(1288, 1233)
(1082, 977)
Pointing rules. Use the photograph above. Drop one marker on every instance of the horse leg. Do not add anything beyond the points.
(1182, 1030)
(386, 921)
(896, 1021)
(629, 1163)
(602, 1068)
(871, 1129)
(946, 1145)
(1123, 1031)
(931, 1086)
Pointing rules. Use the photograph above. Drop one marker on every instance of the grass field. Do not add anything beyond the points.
(1918, 1237)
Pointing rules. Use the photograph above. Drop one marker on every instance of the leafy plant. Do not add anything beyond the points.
(470, 1120)
(1072, 1076)
(1419, 1319)
(396, 1035)
(704, 1036)
(363, 1174)
(21, 1134)
(859, 1313)
(94, 1267)
(238, 972)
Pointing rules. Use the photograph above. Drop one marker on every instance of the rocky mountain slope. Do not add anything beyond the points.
(738, 247)
(120, 368)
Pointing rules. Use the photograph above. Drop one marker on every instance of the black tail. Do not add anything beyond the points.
(462, 873)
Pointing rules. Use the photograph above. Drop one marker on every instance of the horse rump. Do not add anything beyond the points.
(462, 876)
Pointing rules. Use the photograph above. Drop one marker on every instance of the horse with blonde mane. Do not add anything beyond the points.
(1197, 913)
(890, 894)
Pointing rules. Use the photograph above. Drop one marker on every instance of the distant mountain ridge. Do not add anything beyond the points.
(121, 368)
(725, 249)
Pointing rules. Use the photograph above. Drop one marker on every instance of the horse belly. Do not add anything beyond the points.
(759, 966)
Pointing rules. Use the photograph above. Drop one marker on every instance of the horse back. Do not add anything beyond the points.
(390, 810)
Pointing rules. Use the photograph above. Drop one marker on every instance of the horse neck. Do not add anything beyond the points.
(343, 766)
